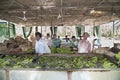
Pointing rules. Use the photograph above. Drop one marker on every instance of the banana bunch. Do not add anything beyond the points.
(54, 62)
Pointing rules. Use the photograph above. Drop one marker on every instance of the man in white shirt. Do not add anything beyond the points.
(41, 46)
(92, 40)
(48, 40)
(84, 45)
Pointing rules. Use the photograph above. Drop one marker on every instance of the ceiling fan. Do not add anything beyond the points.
(22, 18)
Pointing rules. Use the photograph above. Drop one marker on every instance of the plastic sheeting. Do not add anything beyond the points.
(83, 74)
(2, 75)
(37, 75)
(96, 75)
(2, 38)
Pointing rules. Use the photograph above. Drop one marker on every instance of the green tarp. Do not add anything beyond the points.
(79, 30)
(4, 30)
(24, 32)
(12, 30)
(96, 32)
(53, 30)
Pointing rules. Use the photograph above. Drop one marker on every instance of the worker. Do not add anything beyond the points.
(56, 41)
(33, 40)
(92, 40)
(48, 40)
(41, 46)
(84, 45)
(73, 43)
(66, 38)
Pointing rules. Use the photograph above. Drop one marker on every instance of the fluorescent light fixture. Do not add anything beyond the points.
(59, 16)
(92, 11)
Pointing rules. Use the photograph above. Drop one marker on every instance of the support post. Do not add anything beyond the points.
(36, 29)
(41, 29)
(7, 74)
(113, 28)
(69, 75)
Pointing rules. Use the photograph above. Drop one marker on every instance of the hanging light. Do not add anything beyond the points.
(61, 12)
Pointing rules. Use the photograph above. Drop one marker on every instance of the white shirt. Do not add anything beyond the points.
(91, 39)
(84, 47)
(41, 47)
(48, 41)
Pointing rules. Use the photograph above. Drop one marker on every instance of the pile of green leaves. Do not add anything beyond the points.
(64, 50)
(118, 57)
(54, 62)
